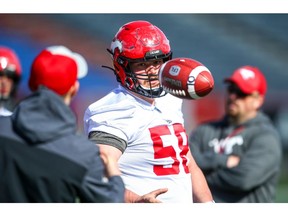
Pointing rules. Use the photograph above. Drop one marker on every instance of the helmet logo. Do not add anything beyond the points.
(116, 44)
(3, 63)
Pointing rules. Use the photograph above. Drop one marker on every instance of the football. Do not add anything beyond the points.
(186, 78)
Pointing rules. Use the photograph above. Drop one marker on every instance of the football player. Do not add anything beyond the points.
(142, 126)
(10, 75)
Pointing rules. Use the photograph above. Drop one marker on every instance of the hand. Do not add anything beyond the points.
(233, 161)
(132, 197)
(151, 197)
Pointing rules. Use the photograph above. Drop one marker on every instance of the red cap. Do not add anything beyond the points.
(9, 60)
(57, 68)
(249, 79)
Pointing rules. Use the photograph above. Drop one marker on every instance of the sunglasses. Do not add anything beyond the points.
(233, 89)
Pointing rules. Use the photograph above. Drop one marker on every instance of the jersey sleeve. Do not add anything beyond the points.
(108, 139)
(114, 118)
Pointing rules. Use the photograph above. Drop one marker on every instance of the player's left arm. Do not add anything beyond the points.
(200, 189)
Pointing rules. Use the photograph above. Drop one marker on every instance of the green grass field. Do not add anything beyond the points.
(282, 193)
(282, 188)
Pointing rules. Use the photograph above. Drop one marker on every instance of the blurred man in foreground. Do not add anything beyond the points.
(43, 159)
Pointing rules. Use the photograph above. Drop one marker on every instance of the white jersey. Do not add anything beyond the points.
(155, 156)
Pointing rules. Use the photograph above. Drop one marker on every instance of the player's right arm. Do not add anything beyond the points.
(130, 196)
(114, 150)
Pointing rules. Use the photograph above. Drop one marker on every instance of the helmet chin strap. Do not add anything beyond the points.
(150, 92)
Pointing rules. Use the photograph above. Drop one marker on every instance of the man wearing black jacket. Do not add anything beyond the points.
(42, 157)
(240, 155)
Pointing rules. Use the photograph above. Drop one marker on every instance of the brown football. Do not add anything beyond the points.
(186, 78)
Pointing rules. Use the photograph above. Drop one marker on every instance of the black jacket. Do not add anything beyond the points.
(44, 160)
(258, 145)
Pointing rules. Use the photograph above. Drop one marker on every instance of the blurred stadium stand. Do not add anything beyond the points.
(222, 42)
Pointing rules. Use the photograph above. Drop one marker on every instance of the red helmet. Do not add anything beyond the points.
(138, 41)
(10, 64)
